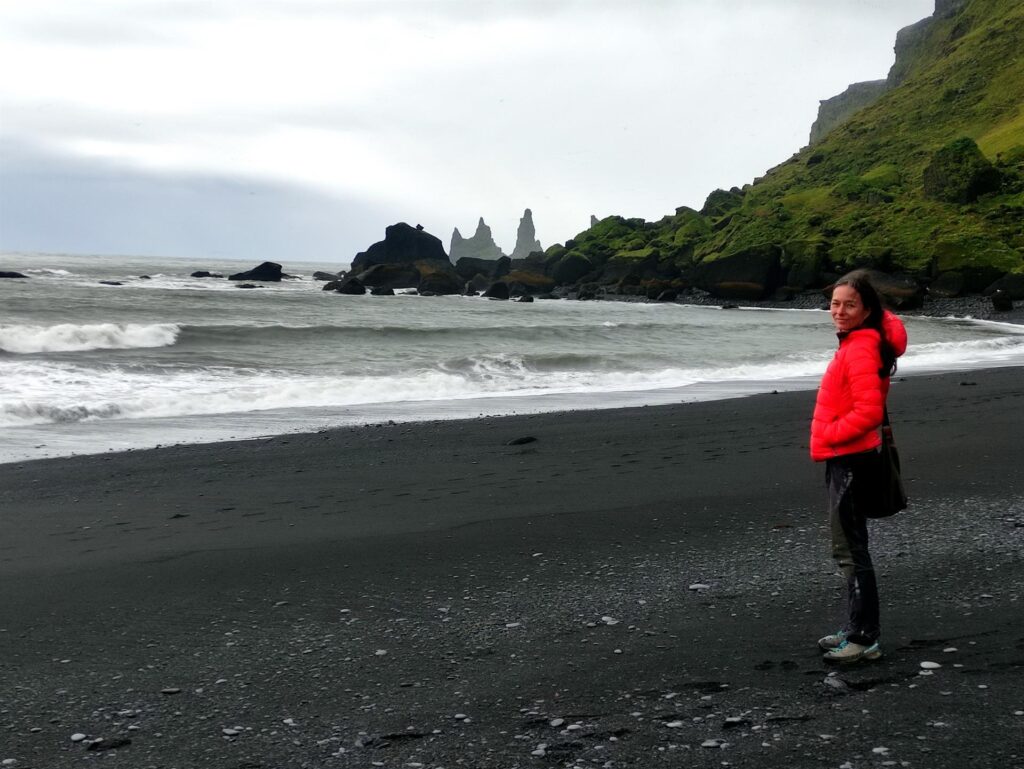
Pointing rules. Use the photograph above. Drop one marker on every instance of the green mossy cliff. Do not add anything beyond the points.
(926, 183)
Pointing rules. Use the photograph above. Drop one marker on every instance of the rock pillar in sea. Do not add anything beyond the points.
(480, 246)
(526, 237)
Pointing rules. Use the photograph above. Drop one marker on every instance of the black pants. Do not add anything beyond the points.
(850, 543)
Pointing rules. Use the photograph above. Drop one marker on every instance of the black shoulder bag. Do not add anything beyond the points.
(890, 496)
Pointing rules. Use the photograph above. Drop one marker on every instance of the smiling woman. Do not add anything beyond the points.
(433, 112)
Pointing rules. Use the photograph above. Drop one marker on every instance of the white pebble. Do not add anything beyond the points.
(982, 686)
(699, 586)
(712, 744)
(229, 732)
(950, 649)
(674, 724)
(609, 620)
(9, 762)
(880, 750)
(513, 624)
(460, 716)
(77, 737)
(381, 652)
(556, 721)
(573, 728)
(930, 665)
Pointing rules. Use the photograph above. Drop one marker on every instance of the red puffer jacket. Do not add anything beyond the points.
(852, 394)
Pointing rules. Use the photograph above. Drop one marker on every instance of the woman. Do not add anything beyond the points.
(845, 435)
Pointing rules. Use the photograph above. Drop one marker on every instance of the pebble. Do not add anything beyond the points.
(77, 737)
(230, 732)
(609, 620)
(880, 750)
(170, 690)
(950, 649)
(9, 762)
(556, 721)
(713, 744)
(380, 652)
(699, 586)
(674, 724)
(930, 665)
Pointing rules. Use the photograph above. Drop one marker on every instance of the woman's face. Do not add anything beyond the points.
(847, 308)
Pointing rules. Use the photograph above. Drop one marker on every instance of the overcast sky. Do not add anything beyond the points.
(299, 129)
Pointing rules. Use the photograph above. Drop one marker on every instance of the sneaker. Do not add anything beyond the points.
(832, 641)
(848, 652)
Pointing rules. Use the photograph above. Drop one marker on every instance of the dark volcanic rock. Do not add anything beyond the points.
(498, 290)
(205, 274)
(248, 285)
(391, 276)
(750, 273)
(350, 285)
(1001, 302)
(267, 272)
(319, 275)
(494, 269)
(1011, 284)
(382, 291)
(111, 283)
(570, 268)
(402, 243)
(438, 278)
(12, 275)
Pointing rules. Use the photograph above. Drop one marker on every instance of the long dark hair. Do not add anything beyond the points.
(860, 281)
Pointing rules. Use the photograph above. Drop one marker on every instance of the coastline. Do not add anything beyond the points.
(338, 598)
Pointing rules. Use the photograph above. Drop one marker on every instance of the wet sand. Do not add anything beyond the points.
(640, 587)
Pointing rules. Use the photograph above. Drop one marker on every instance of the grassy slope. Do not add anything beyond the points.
(856, 198)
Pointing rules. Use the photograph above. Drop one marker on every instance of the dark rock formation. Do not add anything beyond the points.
(832, 112)
(480, 246)
(391, 276)
(749, 273)
(960, 173)
(1001, 302)
(468, 266)
(1011, 285)
(593, 220)
(382, 291)
(319, 275)
(570, 268)
(498, 290)
(402, 243)
(12, 275)
(526, 237)
(524, 298)
(349, 285)
(248, 285)
(438, 278)
(111, 283)
(267, 272)
(205, 274)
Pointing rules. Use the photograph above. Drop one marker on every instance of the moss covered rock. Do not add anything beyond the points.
(750, 273)
(959, 173)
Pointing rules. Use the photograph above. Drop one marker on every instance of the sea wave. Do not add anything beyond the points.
(70, 337)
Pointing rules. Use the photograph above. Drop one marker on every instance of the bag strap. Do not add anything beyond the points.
(886, 427)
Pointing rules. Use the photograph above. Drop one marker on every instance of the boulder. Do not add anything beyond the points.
(350, 285)
(205, 274)
(1001, 302)
(960, 173)
(524, 298)
(12, 275)
(319, 275)
(382, 291)
(476, 285)
(947, 285)
(570, 268)
(439, 278)
(749, 273)
(669, 295)
(111, 283)
(267, 272)
(1011, 284)
(526, 237)
(468, 266)
(248, 285)
(529, 282)
(402, 244)
(497, 290)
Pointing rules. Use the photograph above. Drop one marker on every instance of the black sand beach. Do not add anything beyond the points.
(639, 588)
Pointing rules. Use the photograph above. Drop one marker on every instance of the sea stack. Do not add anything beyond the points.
(480, 246)
(526, 237)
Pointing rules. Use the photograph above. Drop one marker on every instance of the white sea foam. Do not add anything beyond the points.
(69, 337)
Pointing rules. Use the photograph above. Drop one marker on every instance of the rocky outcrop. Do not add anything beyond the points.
(12, 275)
(467, 267)
(205, 274)
(749, 273)
(318, 275)
(402, 243)
(480, 246)
(267, 272)
(438, 278)
(832, 112)
(526, 237)
(959, 173)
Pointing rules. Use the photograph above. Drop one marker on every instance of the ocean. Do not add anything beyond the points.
(166, 359)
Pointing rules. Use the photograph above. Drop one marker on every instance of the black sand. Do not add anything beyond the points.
(428, 595)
